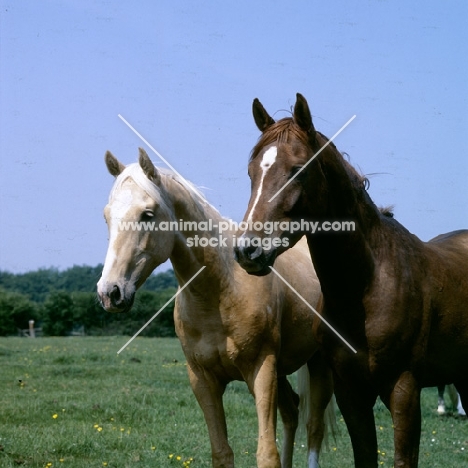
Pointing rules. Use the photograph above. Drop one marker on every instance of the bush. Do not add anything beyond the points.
(57, 314)
(88, 312)
(147, 303)
(66, 301)
(15, 312)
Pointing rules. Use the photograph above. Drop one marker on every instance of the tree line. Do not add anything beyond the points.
(63, 302)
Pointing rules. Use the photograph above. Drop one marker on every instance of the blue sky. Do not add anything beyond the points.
(184, 74)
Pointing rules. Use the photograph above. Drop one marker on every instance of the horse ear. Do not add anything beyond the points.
(114, 166)
(148, 167)
(261, 117)
(302, 115)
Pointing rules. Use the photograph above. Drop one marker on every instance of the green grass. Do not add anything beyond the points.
(73, 402)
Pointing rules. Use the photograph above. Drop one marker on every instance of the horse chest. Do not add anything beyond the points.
(373, 336)
(211, 349)
(213, 355)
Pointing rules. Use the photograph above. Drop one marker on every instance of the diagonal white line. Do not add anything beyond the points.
(153, 149)
(161, 309)
(314, 311)
(312, 158)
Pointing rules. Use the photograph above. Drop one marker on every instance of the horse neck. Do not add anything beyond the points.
(344, 261)
(187, 260)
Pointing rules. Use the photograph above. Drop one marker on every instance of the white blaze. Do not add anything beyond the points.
(118, 209)
(269, 158)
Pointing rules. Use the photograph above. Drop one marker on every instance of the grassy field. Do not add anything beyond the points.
(74, 402)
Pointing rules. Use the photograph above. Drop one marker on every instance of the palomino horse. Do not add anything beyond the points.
(402, 303)
(231, 326)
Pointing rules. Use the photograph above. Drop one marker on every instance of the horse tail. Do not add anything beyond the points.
(305, 408)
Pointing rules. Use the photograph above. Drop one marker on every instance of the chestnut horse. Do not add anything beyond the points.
(402, 303)
(231, 326)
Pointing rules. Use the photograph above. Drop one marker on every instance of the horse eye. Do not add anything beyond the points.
(295, 170)
(147, 214)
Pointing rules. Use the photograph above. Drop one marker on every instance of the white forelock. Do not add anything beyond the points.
(135, 172)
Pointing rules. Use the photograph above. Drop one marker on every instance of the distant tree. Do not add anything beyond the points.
(79, 278)
(57, 315)
(147, 303)
(15, 312)
(64, 300)
(88, 312)
(36, 285)
(160, 281)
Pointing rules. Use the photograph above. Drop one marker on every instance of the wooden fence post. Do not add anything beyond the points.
(32, 333)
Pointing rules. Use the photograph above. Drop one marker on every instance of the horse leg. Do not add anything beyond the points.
(320, 392)
(288, 403)
(356, 403)
(441, 402)
(406, 413)
(453, 395)
(460, 409)
(263, 384)
(462, 389)
(209, 392)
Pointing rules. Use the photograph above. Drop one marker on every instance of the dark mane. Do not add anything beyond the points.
(363, 182)
(359, 180)
(387, 211)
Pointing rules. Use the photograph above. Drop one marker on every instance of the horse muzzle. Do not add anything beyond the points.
(254, 260)
(114, 298)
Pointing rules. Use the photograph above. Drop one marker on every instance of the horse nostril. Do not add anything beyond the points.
(247, 252)
(115, 296)
(252, 252)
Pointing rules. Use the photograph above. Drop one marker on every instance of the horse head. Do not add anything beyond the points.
(277, 177)
(137, 204)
